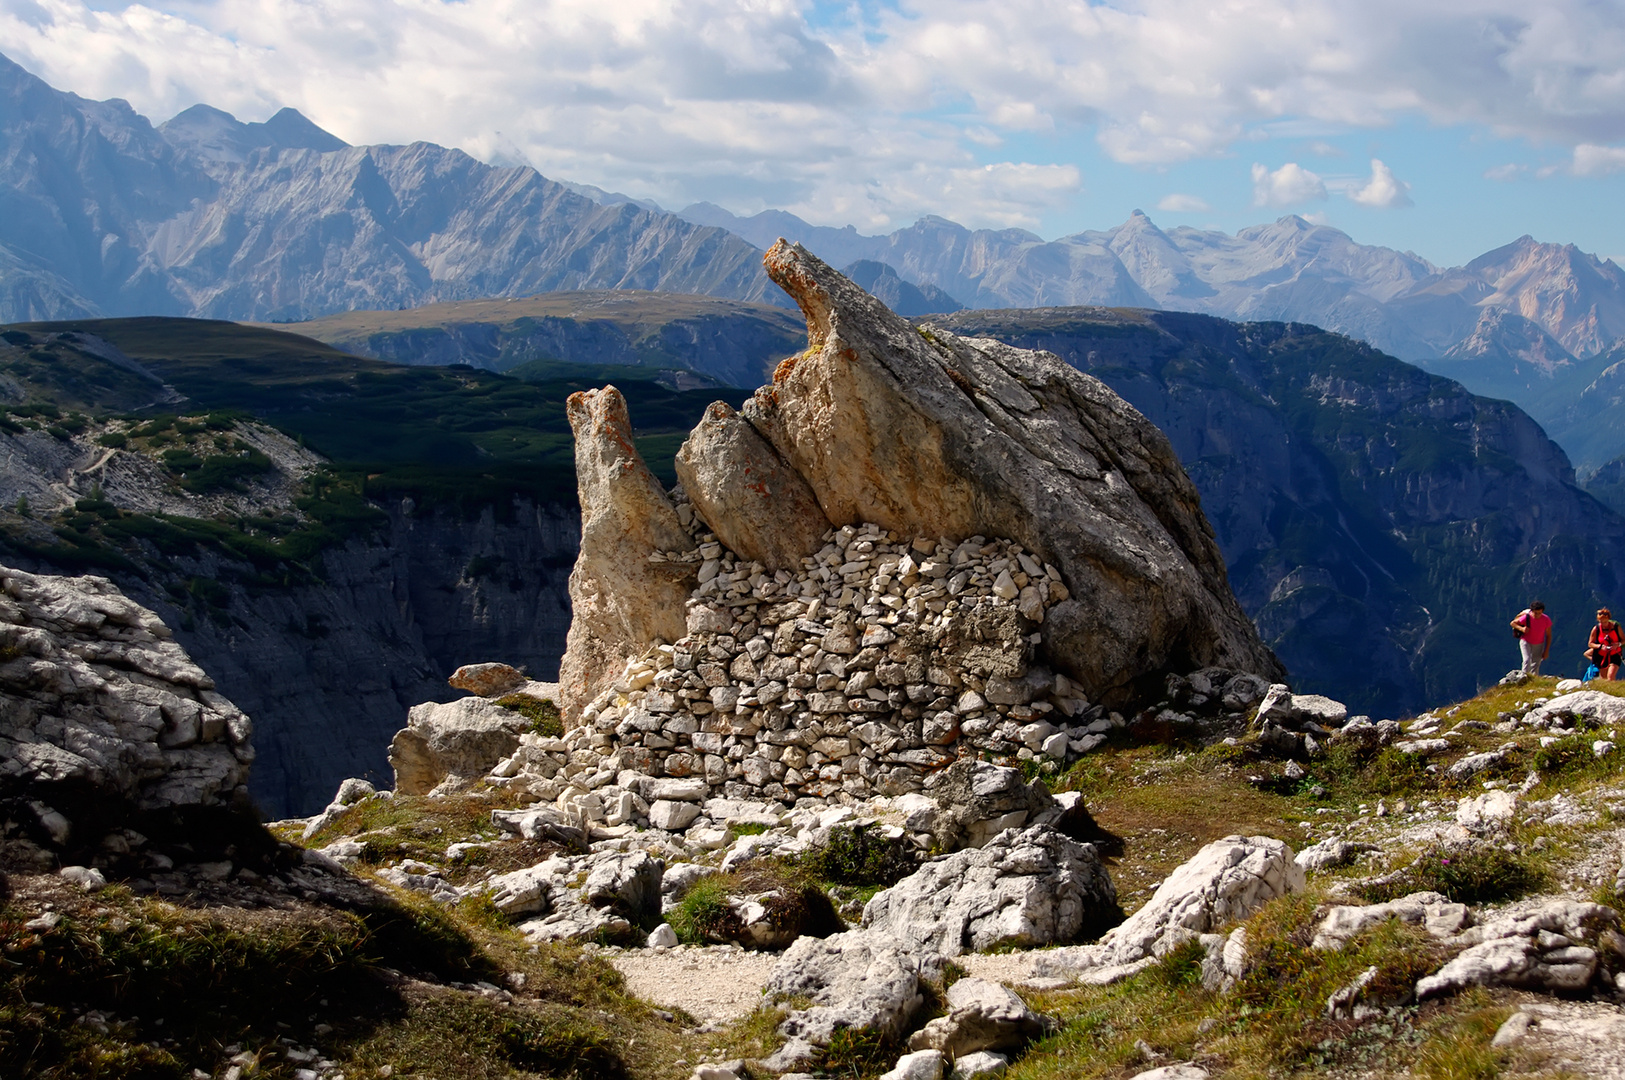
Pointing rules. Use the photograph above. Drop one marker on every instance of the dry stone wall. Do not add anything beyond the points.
(879, 661)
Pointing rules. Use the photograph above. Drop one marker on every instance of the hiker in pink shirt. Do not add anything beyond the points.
(1533, 629)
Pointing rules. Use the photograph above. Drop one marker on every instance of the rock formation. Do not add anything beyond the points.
(102, 717)
(620, 601)
(1117, 579)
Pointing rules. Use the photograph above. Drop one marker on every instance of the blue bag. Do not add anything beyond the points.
(1591, 672)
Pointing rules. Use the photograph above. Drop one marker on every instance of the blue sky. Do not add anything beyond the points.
(1445, 128)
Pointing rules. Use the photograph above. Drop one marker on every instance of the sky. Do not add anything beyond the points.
(1445, 127)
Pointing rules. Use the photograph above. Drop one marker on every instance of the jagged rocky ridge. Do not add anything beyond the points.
(208, 216)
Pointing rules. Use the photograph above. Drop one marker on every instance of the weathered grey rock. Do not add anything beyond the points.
(929, 434)
(98, 707)
(1592, 705)
(582, 897)
(1225, 959)
(1430, 910)
(458, 740)
(1331, 853)
(977, 801)
(1487, 812)
(671, 815)
(1543, 950)
(858, 980)
(758, 506)
(1172, 1072)
(487, 680)
(981, 1064)
(662, 937)
(620, 601)
(920, 1065)
(982, 1015)
(1228, 879)
(1026, 887)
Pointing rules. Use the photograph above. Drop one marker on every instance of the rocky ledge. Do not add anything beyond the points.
(104, 720)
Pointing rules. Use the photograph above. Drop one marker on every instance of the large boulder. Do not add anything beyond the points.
(103, 716)
(760, 507)
(859, 981)
(1026, 888)
(459, 740)
(925, 435)
(930, 434)
(620, 601)
(981, 1015)
(1227, 880)
(1560, 947)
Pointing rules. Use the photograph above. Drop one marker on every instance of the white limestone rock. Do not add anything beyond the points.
(1026, 887)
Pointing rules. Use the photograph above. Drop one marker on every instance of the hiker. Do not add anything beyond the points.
(1606, 645)
(1533, 629)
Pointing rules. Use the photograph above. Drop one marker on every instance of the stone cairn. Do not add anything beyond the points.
(878, 663)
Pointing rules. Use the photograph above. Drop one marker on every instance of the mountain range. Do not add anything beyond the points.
(103, 213)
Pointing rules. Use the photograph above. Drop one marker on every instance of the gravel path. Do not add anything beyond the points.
(714, 984)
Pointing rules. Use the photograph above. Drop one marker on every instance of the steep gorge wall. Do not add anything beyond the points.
(328, 669)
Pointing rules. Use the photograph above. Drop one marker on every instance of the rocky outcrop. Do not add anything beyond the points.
(938, 435)
(760, 508)
(981, 1015)
(1116, 578)
(103, 716)
(1558, 948)
(460, 740)
(1228, 879)
(620, 601)
(1024, 889)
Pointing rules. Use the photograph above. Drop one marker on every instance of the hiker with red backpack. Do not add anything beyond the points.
(1606, 645)
(1533, 629)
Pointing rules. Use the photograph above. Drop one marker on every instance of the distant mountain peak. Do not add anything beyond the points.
(884, 283)
(217, 136)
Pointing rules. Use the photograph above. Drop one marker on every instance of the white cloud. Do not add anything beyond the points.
(1505, 173)
(1383, 190)
(1183, 204)
(1592, 160)
(818, 105)
(1289, 185)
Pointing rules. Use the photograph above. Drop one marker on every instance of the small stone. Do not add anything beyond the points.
(671, 815)
(87, 878)
(487, 680)
(663, 937)
(920, 1065)
(983, 1063)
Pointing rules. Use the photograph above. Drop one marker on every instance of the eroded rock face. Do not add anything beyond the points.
(761, 509)
(918, 434)
(100, 709)
(1025, 888)
(927, 433)
(620, 601)
(462, 739)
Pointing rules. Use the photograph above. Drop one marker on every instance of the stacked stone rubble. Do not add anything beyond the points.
(879, 662)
